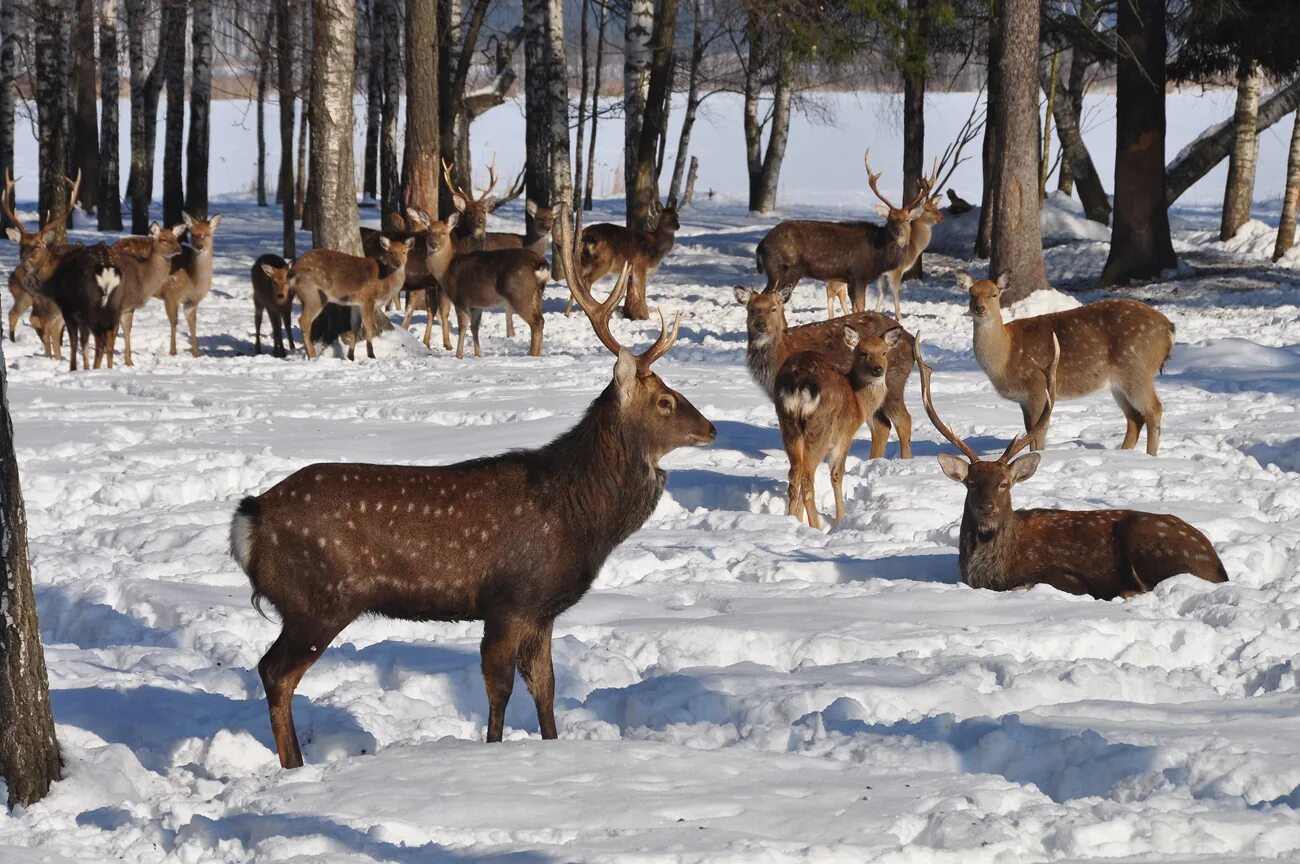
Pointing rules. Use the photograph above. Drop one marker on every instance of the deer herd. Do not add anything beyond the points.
(516, 539)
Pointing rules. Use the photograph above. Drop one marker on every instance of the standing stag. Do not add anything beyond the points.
(1120, 343)
(1100, 553)
(608, 248)
(37, 256)
(856, 253)
(322, 276)
(820, 408)
(191, 278)
(772, 341)
(511, 540)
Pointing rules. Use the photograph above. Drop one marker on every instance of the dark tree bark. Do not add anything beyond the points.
(374, 102)
(765, 172)
(390, 18)
(196, 153)
(557, 103)
(992, 125)
(145, 89)
(333, 199)
(1240, 189)
(109, 211)
(1215, 144)
(537, 164)
(1074, 89)
(1291, 198)
(1017, 237)
(1077, 161)
(284, 90)
(692, 101)
(172, 42)
(263, 81)
(420, 164)
(638, 27)
(643, 186)
(8, 87)
(914, 80)
(83, 119)
(1140, 245)
(51, 106)
(584, 89)
(590, 180)
(29, 751)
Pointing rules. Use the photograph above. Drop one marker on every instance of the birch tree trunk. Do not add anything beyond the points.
(305, 86)
(692, 101)
(557, 102)
(85, 102)
(420, 163)
(374, 102)
(29, 751)
(8, 87)
(196, 152)
(263, 74)
(390, 19)
(172, 43)
(1291, 199)
(1140, 244)
(584, 89)
(284, 91)
(145, 90)
(51, 106)
(1016, 237)
(1240, 188)
(334, 186)
(643, 183)
(109, 209)
(537, 141)
(590, 181)
(638, 28)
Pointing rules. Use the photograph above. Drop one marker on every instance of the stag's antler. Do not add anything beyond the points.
(873, 178)
(53, 221)
(6, 197)
(516, 189)
(1049, 374)
(952, 437)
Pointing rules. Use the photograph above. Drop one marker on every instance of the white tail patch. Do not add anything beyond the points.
(241, 540)
(543, 271)
(107, 280)
(801, 403)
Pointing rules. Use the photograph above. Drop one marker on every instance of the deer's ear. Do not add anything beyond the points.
(882, 211)
(460, 201)
(531, 207)
(891, 337)
(489, 202)
(964, 280)
(214, 221)
(916, 212)
(154, 229)
(954, 466)
(851, 337)
(784, 293)
(743, 294)
(409, 241)
(189, 220)
(384, 242)
(625, 374)
(453, 220)
(13, 235)
(1003, 280)
(268, 270)
(178, 229)
(1024, 467)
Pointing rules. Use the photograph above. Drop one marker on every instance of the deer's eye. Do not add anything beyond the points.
(665, 404)
(1004, 485)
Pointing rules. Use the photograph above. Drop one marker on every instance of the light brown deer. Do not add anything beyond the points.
(535, 239)
(856, 253)
(191, 278)
(439, 250)
(771, 341)
(413, 227)
(46, 318)
(476, 281)
(607, 248)
(273, 297)
(820, 409)
(512, 540)
(38, 254)
(1120, 343)
(145, 263)
(322, 276)
(1100, 553)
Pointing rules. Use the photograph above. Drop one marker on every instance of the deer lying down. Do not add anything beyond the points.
(511, 540)
(1101, 553)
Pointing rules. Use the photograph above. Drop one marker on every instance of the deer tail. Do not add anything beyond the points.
(243, 547)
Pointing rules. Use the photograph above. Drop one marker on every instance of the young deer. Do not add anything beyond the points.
(46, 318)
(145, 263)
(272, 296)
(439, 250)
(771, 341)
(322, 276)
(511, 540)
(191, 278)
(1120, 343)
(38, 253)
(856, 253)
(485, 280)
(413, 227)
(820, 408)
(86, 287)
(535, 239)
(1101, 553)
(607, 248)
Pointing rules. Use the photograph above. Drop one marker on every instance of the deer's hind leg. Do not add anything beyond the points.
(281, 668)
(1141, 407)
(499, 654)
(1031, 409)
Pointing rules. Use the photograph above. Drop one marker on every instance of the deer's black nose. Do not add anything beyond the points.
(877, 371)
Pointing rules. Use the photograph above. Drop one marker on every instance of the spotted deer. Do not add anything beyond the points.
(1122, 344)
(145, 263)
(607, 248)
(771, 341)
(1099, 553)
(321, 276)
(38, 254)
(535, 239)
(820, 408)
(511, 540)
(272, 297)
(191, 278)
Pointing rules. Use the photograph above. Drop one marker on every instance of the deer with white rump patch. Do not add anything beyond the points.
(322, 276)
(1100, 553)
(1120, 343)
(511, 540)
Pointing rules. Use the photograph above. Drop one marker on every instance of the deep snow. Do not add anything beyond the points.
(735, 687)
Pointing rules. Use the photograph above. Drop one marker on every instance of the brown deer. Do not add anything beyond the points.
(145, 263)
(820, 408)
(273, 297)
(511, 540)
(439, 250)
(322, 276)
(86, 286)
(485, 280)
(856, 253)
(536, 238)
(38, 252)
(470, 232)
(1120, 343)
(1100, 553)
(412, 227)
(46, 319)
(771, 341)
(606, 248)
(191, 278)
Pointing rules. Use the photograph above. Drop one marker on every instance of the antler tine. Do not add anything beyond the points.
(662, 344)
(1049, 374)
(451, 184)
(598, 313)
(516, 189)
(952, 437)
(10, 182)
(873, 178)
(72, 202)
(492, 179)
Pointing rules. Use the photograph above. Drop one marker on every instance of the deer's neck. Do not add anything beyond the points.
(987, 558)
(764, 357)
(992, 344)
(919, 242)
(662, 240)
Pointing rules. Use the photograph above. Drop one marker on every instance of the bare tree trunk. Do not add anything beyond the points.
(145, 90)
(29, 750)
(689, 195)
(8, 87)
(390, 24)
(557, 102)
(992, 147)
(334, 198)
(692, 101)
(196, 152)
(1214, 144)
(1240, 189)
(1291, 199)
(109, 209)
(374, 102)
(590, 181)
(284, 91)
(537, 141)
(1017, 236)
(263, 76)
(1077, 161)
(753, 85)
(1073, 102)
(172, 39)
(83, 119)
(769, 178)
(916, 58)
(420, 165)
(637, 33)
(584, 88)
(450, 49)
(51, 105)
(306, 85)
(1140, 242)
(643, 184)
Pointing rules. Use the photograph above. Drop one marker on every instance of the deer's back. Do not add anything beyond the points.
(485, 279)
(336, 273)
(143, 275)
(827, 338)
(825, 250)
(502, 240)
(811, 394)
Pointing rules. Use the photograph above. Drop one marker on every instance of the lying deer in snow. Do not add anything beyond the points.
(1101, 553)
